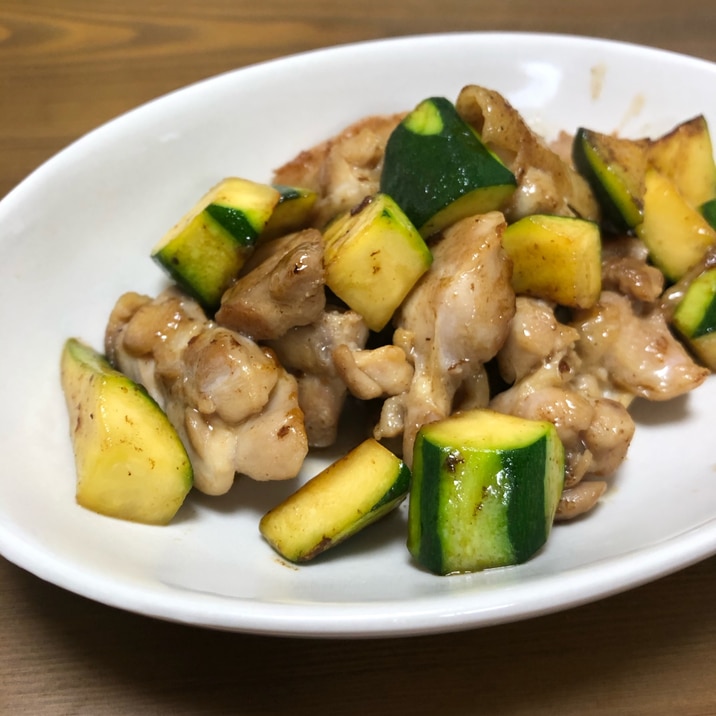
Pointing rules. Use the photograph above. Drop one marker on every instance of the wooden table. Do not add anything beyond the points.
(68, 65)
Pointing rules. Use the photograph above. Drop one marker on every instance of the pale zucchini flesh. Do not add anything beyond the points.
(373, 257)
(555, 258)
(291, 213)
(616, 168)
(130, 461)
(347, 496)
(207, 248)
(676, 234)
(685, 156)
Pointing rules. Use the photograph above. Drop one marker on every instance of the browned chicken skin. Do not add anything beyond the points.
(343, 170)
(545, 182)
(218, 387)
(285, 288)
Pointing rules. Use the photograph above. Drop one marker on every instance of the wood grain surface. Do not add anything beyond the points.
(67, 66)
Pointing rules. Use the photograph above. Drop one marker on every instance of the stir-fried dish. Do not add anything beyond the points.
(494, 302)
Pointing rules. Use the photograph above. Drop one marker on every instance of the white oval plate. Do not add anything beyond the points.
(77, 233)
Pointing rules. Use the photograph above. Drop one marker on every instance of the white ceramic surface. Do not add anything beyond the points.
(77, 233)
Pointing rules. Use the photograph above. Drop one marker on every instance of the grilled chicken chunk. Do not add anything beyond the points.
(454, 320)
(225, 394)
(307, 351)
(283, 289)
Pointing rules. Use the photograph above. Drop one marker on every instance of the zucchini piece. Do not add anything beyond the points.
(614, 167)
(484, 491)
(708, 211)
(556, 258)
(292, 213)
(675, 233)
(695, 317)
(205, 251)
(685, 156)
(373, 256)
(350, 494)
(439, 171)
(130, 461)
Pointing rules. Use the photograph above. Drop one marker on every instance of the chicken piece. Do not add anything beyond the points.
(634, 352)
(549, 385)
(578, 500)
(569, 411)
(608, 436)
(268, 445)
(127, 306)
(545, 183)
(626, 271)
(307, 352)
(454, 320)
(561, 145)
(585, 387)
(218, 388)
(273, 442)
(474, 392)
(156, 330)
(342, 170)
(285, 288)
(370, 374)
(596, 432)
(545, 394)
(391, 423)
(535, 336)
(227, 374)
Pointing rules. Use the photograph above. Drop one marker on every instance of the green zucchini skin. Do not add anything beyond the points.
(207, 248)
(484, 492)
(708, 211)
(614, 169)
(438, 170)
(206, 257)
(235, 222)
(130, 461)
(695, 317)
